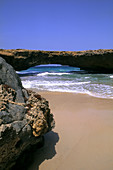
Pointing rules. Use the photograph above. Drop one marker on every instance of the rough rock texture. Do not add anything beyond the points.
(24, 117)
(91, 60)
(8, 76)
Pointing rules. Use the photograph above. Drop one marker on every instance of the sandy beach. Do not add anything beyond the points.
(83, 135)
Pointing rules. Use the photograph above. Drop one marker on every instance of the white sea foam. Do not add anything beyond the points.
(25, 72)
(111, 77)
(36, 83)
(27, 84)
(96, 90)
(17, 72)
(20, 72)
(86, 77)
(53, 74)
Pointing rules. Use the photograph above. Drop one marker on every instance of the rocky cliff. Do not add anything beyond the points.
(24, 117)
(91, 60)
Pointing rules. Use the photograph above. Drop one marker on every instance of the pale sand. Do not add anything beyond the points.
(83, 136)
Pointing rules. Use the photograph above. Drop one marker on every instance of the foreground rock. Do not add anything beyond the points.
(99, 61)
(24, 117)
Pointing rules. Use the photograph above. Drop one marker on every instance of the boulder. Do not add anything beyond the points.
(24, 117)
(9, 77)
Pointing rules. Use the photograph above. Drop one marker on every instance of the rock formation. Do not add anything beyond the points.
(92, 60)
(24, 117)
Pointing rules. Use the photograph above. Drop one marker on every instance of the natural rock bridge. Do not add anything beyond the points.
(100, 61)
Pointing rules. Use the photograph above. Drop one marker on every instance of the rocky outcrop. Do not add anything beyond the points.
(8, 76)
(24, 117)
(92, 60)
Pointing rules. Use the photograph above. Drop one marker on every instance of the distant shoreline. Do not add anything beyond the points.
(74, 93)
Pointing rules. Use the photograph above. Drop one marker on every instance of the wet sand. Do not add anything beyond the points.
(83, 135)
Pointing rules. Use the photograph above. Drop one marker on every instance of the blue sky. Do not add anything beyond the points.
(67, 25)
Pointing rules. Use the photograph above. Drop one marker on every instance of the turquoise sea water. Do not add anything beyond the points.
(67, 79)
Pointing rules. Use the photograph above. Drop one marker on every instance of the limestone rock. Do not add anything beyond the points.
(9, 77)
(24, 117)
(97, 61)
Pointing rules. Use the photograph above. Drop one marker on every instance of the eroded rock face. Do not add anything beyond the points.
(99, 61)
(24, 117)
(9, 77)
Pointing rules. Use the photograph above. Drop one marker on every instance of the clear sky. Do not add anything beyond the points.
(67, 25)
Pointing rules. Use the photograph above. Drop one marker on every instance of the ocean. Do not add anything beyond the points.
(55, 77)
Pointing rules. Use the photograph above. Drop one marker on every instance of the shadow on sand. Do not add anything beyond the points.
(46, 152)
(36, 157)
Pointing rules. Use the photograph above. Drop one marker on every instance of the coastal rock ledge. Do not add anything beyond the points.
(24, 117)
(97, 61)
